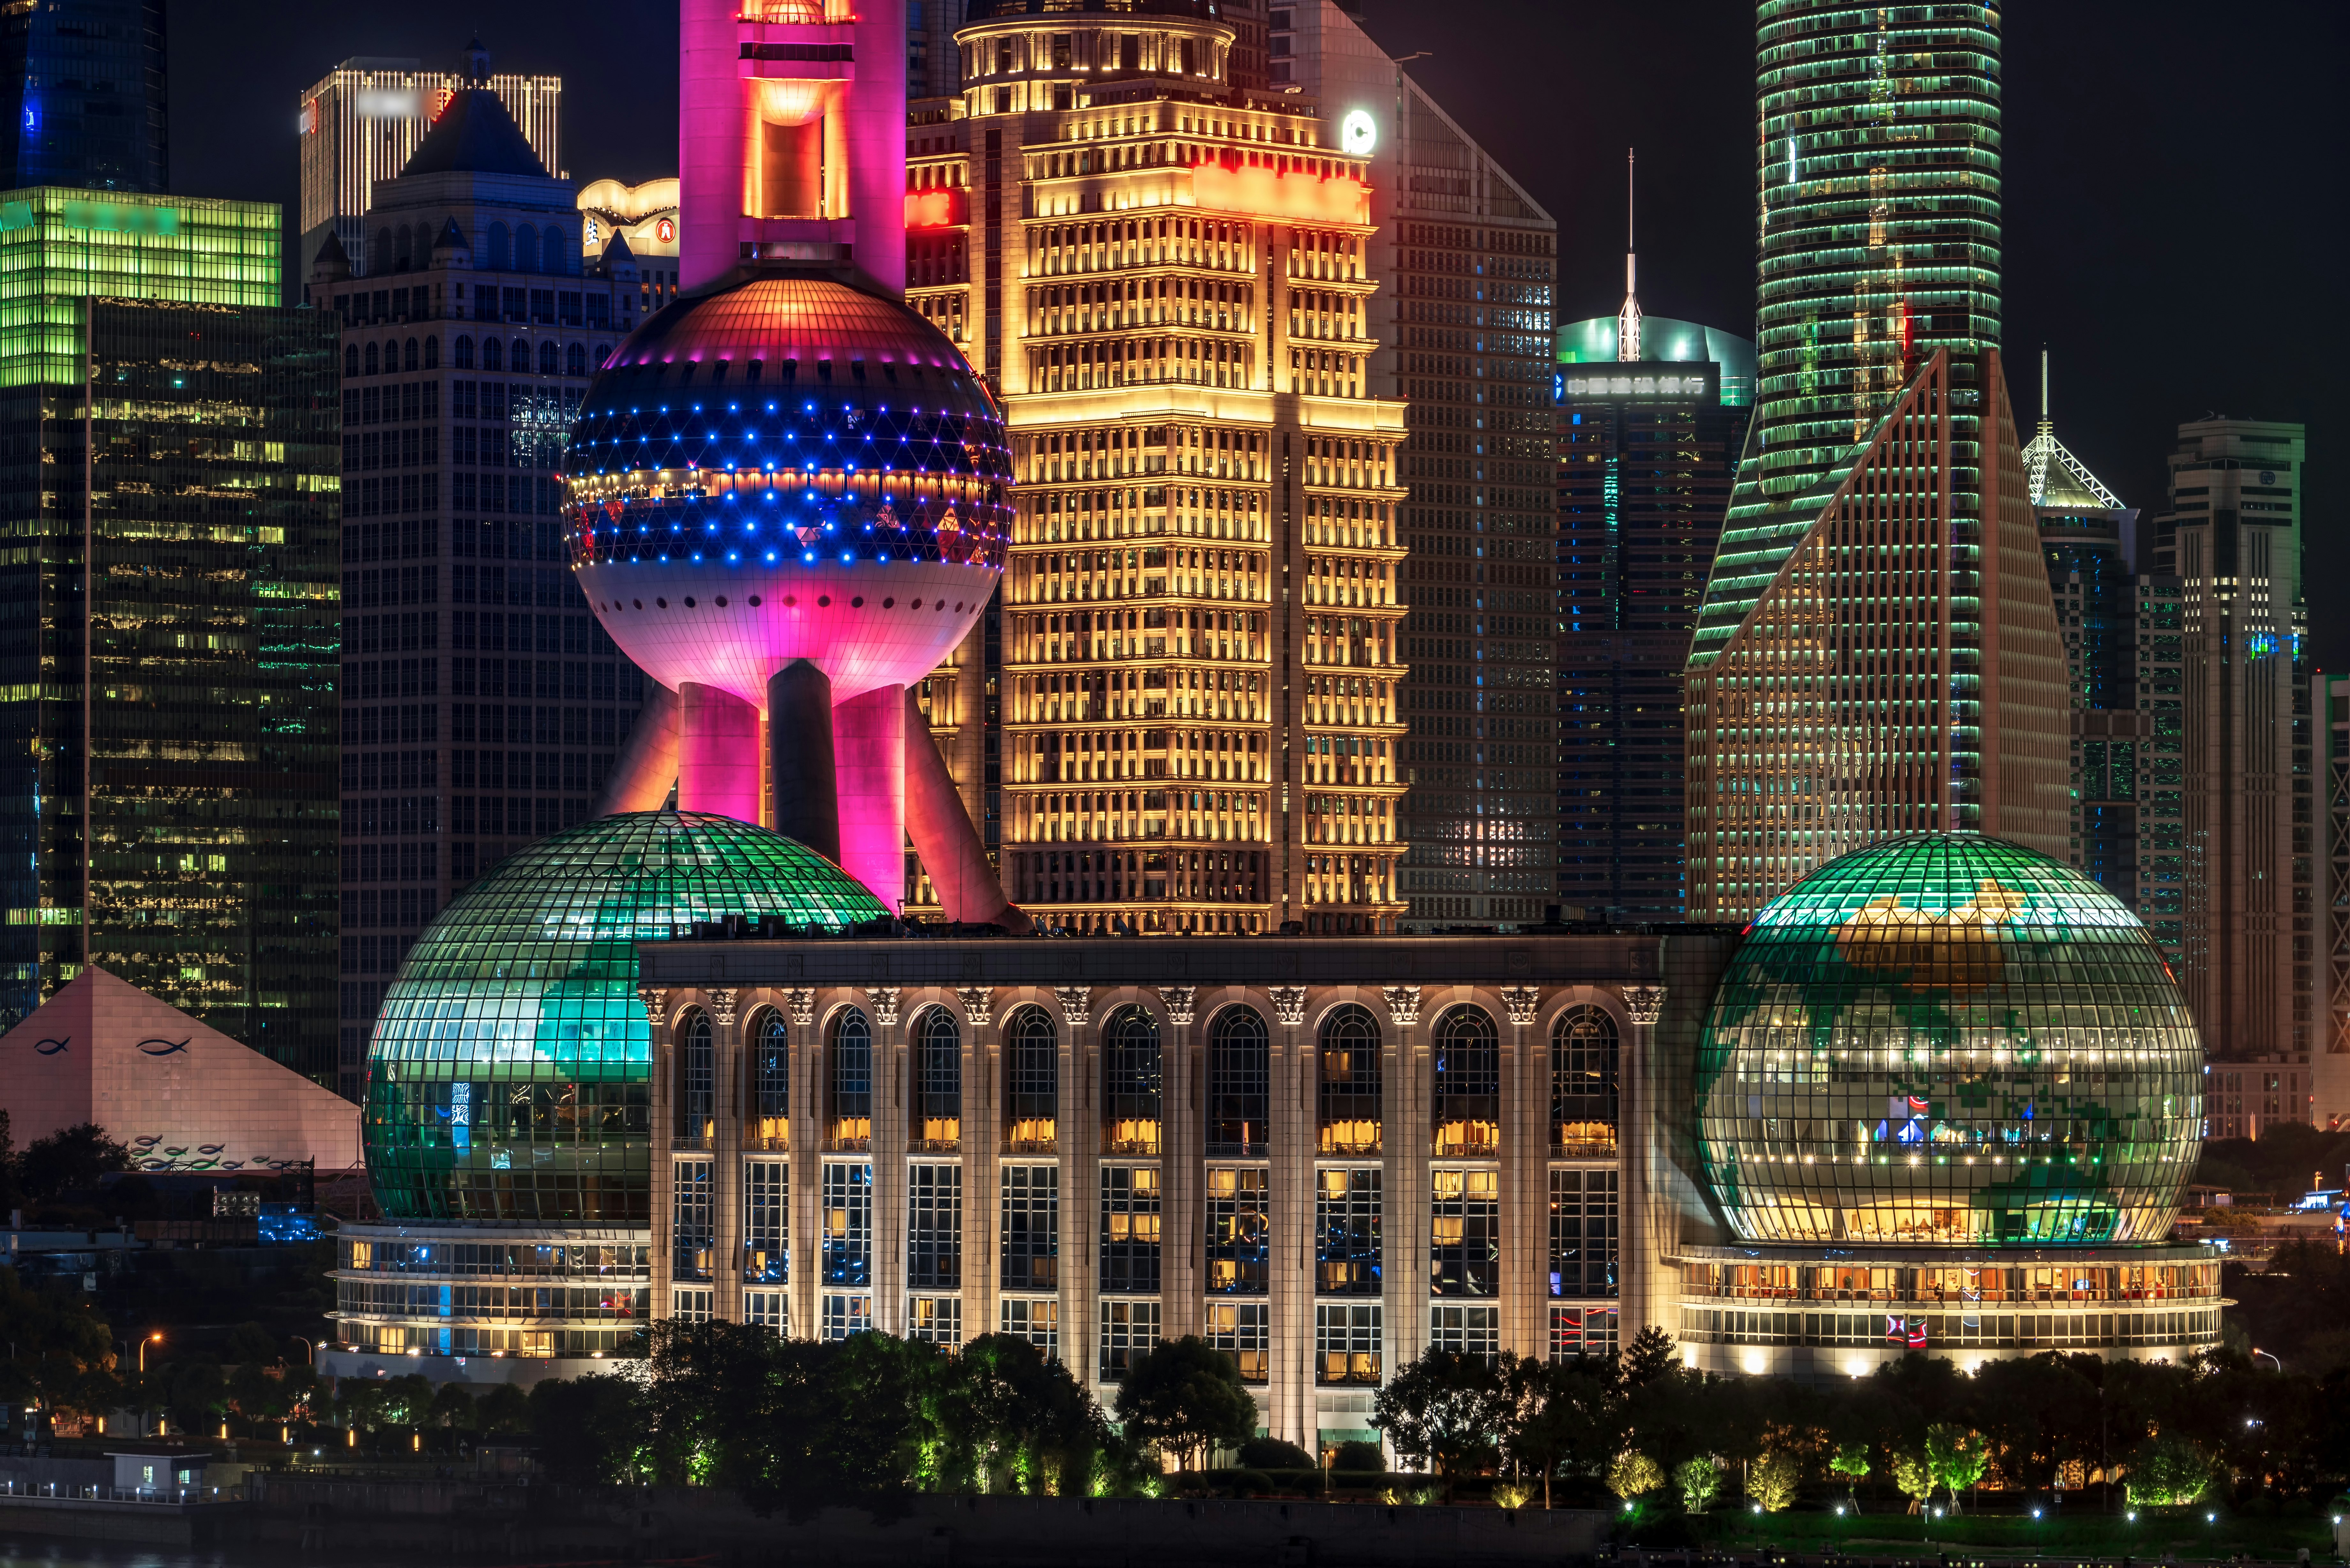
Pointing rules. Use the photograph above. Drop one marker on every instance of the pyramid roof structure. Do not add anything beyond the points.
(180, 1094)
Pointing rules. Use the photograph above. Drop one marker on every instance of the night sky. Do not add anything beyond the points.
(2174, 188)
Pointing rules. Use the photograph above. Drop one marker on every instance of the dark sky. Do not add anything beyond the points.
(2175, 195)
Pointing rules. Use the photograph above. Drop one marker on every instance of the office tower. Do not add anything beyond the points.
(2330, 1058)
(644, 219)
(1465, 262)
(1877, 652)
(170, 708)
(82, 84)
(2231, 535)
(481, 704)
(1648, 450)
(363, 121)
(1201, 603)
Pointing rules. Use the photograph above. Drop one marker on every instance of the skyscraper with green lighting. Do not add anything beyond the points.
(1877, 650)
(169, 482)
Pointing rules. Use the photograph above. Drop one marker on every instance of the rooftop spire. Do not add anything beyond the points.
(2047, 424)
(1627, 320)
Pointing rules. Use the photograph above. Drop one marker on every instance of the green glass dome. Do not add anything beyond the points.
(509, 1075)
(1948, 1039)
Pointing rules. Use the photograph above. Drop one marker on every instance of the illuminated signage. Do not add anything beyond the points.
(665, 231)
(934, 209)
(308, 123)
(389, 103)
(1358, 134)
(1264, 193)
(1635, 386)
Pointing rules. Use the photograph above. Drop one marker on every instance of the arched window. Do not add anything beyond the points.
(432, 353)
(351, 360)
(400, 251)
(408, 355)
(1349, 1080)
(381, 260)
(548, 363)
(501, 249)
(938, 1077)
(1468, 1050)
(770, 1081)
(575, 359)
(526, 249)
(558, 251)
(1583, 1081)
(460, 353)
(1240, 1079)
(1133, 1099)
(518, 357)
(494, 354)
(601, 352)
(1032, 1081)
(848, 1061)
(697, 1080)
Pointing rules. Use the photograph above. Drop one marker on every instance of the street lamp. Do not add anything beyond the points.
(310, 1351)
(2272, 1360)
(155, 1338)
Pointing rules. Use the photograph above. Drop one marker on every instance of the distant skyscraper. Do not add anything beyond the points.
(483, 704)
(168, 808)
(1878, 652)
(2330, 1057)
(2232, 536)
(1646, 452)
(362, 121)
(82, 82)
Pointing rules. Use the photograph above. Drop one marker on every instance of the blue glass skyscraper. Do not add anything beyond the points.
(83, 84)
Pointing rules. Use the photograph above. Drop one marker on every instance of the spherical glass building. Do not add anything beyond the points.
(1947, 1071)
(506, 1128)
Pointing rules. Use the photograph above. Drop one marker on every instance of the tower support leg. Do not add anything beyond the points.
(647, 767)
(717, 752)
(953, 855)
(869, 737)
(800, 757)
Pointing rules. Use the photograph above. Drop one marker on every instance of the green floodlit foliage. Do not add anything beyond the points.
(2167, 1471)
(509, 1073)
(1946, 1038)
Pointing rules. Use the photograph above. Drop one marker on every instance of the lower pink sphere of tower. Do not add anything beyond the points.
(791, 477)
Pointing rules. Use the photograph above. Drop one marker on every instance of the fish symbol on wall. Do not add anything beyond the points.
(158, 1046)
(52, 1046)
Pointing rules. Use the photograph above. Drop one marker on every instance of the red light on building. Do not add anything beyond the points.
(442, 98)
(1264, 193)
(934, 209)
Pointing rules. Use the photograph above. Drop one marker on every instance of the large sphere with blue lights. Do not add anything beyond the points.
(1947, 1039)
(509, 1077)
(790, 467)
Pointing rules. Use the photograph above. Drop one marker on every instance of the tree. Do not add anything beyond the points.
(452, 1408)
(1851, 1462)
(1955, 1458)
(1914, 1477)
(1566, 1416)
(1633, 1474)
(197, 1396)
(1697, 1479)
(407, 1399)
(249, 1342)
(1652, 1354)
(504, 1408)
(2167, 1471)
(1773, 1479)
(1021, 1423)
(1185, 1396)
(68, 1161)
(589, 1430)
(1449, 1411)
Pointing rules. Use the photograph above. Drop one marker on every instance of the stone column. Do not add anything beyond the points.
(893, 1108)
(1289, 1193)
(1526, 1186)
(1078, 1137)
(1646, 1237)
(983, 1139)
(664, 1111)
(726, 1161)
(804, 1239)
(1182, 1165)
(1406, 1136)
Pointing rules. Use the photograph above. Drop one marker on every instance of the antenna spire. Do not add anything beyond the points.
(2046, 423)
(1627, 320)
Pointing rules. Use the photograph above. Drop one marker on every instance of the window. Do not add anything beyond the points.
(1346, 1232)
(1583, 1054)
(1346, 1342)
(937, 1044)
(844, 1315)
(847, 1223)
(1239, 1080)
(697, 1088)
(1583, 1233)
(767, 1221)
(1129, 1331)
(1468, 1050)
(1349, 1081)
(1038, 1322)
(575, 359)
(1582, 1331)
(934, 1226)
(1031, 1227)
(693, 1227)
(1464, 1233)
(771, 1082)
(1129, 1229)
(460, 353)
(1131, 1082)
(1466, 1330)
(849, 1115)
(937, 1319)
(1239, 1231)
(1032, 1072)
(769, 1308)
(1243, 1331)
(692, 1304)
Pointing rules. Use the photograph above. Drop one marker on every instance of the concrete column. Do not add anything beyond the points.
(1525, 1185)
(1182, 1163)
(805, 1240)
(1407, 1137)
(1078, 1137)
(892, 1109)
(645, 769)
(726, 1161)
(664, 1108)
(983, 1139)
(800, 757)
(718, 753)
(869, 743)
(1649, 1293)
(1289, 1191)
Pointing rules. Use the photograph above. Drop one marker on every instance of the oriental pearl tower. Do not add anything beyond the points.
(788, 495)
